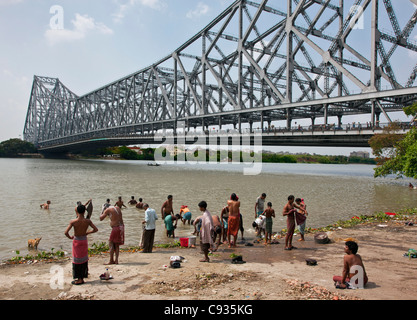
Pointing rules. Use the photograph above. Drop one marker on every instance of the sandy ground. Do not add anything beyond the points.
(270, 273)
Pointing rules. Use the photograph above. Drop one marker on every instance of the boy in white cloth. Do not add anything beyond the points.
(206, 231)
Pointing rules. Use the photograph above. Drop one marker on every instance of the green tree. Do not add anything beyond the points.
(128, 154)
(13, 147)
(396, 153)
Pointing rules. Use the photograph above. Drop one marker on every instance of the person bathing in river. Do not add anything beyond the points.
(132, 200)
(120, 203)
(167, 207)
(301, 217)
(185, 214)
(224, 217)
(288, 211)
(233, 223)
(45, 205)
(169, 224)
(206, 238)
(217, 232)
(140, 204)
(117, 235)
(269, 213)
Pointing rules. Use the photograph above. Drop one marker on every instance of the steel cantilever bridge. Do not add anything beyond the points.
(256, 65)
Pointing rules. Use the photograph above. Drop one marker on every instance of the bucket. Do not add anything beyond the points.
(184, 242)
(191, 241)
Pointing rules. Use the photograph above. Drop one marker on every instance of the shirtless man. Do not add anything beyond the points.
(117, 236)
(218, 230)
(234, 219)
(351, 259)
(132, 200)
(140, 204)
(289, 211)
(80, 244)
(120, 203)
(45, 205)
(166, 208)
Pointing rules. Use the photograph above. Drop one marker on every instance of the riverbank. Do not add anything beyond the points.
(270, 272)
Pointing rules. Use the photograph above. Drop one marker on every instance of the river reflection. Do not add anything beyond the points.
(331, 192)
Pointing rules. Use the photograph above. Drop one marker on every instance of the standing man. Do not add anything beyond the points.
(149, 231)
(117, 235)
(259, 205)
(300, 217)
(289, 211)
(166, 208)
(233, 223)
(80, 245)
(206, 239)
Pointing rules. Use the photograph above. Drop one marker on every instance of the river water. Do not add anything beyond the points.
(331, 192)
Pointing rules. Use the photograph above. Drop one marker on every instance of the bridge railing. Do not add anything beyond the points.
(99, 135)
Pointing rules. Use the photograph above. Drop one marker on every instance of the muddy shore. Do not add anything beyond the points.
(269, 272)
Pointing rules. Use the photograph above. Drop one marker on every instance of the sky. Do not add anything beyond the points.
(90, 43)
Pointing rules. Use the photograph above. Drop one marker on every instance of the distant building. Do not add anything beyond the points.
(360, 154)
(136, 149)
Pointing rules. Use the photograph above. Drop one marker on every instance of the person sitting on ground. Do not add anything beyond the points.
(352, 268)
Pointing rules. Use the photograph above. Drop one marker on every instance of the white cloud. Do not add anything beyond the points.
(125, 6)
(201, 10)
(82, 26)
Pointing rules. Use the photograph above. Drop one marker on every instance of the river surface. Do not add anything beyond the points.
(331, 192)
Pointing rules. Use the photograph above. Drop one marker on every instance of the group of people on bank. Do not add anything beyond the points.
(208, 226)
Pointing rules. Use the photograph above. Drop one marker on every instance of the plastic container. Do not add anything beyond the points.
(192, 241)
(184, 242)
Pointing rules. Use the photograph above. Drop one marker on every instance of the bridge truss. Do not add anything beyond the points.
(257, 62)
